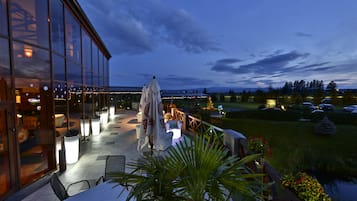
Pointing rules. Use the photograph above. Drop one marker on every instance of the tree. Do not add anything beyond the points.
(233, 97)
(221, 97)
(259, 96)
(214, 97)
(287, 88)
(332, 90)
(348, 98)
(245, 96)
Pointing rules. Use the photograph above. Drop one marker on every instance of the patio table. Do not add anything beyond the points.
(106, 191)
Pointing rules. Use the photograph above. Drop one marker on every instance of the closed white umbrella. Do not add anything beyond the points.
(143, 141)
(153, 118)
(143, 99)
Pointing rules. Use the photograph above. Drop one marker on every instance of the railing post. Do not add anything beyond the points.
(236, 142)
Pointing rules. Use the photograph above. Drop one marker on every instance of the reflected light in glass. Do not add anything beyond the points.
(28, 52)
(104, 118)
(85, 127)
(18, 99)
(112, 111)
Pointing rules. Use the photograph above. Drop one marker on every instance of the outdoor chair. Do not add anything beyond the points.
(59, 189)
(113, 164)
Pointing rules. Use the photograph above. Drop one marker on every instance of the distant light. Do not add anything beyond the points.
(33, 100)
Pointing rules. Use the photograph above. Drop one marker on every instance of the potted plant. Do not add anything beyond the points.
(192, 170)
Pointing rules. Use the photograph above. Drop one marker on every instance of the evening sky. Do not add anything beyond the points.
(227, 43)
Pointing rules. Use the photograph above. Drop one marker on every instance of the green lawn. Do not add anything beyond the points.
(295, 147)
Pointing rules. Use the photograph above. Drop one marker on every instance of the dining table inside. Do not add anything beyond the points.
(106, 191)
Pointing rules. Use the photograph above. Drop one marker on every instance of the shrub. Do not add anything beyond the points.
(305, 187)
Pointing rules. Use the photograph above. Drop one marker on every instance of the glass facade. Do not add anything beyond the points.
(52, 67)
(29, 21)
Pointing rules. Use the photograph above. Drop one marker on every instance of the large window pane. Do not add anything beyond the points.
(34, 109)
(95, 65)
(59, 87)
(86, 58)
(57, 26)
(29, 21)
(87, 68)
(73, 38)
(74, 73)
(4, 66)
(3, 17)
(60, 101)
(31, 62)
(4, 96)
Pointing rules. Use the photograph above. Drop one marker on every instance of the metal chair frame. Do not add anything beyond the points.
(60, 190)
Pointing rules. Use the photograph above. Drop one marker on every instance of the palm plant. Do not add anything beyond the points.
(192, 170)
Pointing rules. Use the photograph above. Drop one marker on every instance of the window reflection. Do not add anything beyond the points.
(33, 110)
(73, 38)
(31, 61)
(29, 21)
(3, 17)
(4, 97)
(57, 26)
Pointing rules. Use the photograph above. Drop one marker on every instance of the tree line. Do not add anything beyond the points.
(292, 93)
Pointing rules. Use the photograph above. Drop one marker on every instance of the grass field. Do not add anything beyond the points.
(295, 147)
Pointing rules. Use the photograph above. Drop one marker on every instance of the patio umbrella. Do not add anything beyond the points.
(143, 140)
(153, 118)
(143, 99)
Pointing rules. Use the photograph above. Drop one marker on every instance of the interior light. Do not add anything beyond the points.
(28, 52)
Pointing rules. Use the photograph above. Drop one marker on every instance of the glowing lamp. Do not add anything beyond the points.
(28, 52)
(95, 126)
(112, 111)
(18, 99)
(104, 117)
(85, 125)
(72, 149)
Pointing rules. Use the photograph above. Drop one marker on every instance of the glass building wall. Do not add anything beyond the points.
(52, 67)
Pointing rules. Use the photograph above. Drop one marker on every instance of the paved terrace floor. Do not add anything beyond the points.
(118, 138)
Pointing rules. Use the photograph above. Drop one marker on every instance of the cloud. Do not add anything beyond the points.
(228, 61)
(316, 65)
(301, 34)
(175, 81)
(136, 27)
(268, 65)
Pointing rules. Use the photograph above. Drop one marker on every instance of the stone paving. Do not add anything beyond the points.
(118, 138)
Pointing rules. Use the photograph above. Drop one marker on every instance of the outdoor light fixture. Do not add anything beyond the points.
(95, 126)
(112, 111)
(104, 117)
(72, 148)
(85, 127)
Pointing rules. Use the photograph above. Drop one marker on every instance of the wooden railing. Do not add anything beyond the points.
(195, 126)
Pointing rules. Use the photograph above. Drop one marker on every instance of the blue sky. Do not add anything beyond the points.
(229, 43)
